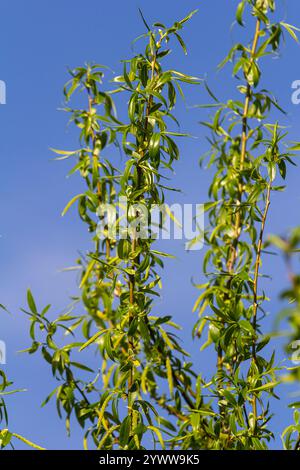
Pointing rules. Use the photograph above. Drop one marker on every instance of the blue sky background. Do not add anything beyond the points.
(39, 40)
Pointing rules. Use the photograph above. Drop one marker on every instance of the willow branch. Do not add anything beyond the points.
(255, 285)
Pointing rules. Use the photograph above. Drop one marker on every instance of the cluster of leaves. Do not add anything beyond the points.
(6, 436)
(123, 404)
(3, 411)
(290, 247)
(247, 152)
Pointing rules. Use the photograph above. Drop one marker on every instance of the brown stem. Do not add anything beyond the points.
(233, 251)
(132, 279)
(255, 286)
(238, 221)
(130, 341)
(170, 409)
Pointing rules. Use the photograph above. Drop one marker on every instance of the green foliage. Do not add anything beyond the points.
(7, 437)
(145, 388)
(137, 350)
(249, 154)
(289, 246)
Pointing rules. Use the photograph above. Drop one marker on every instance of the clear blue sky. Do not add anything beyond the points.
(39, 40)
